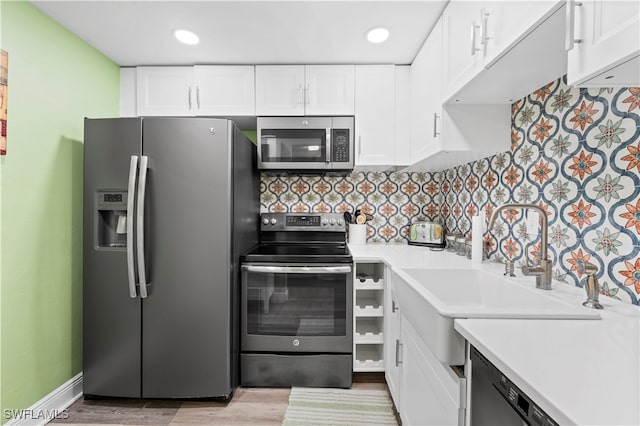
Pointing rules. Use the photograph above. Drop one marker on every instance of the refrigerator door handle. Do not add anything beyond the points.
(131, 196)
(142, 186)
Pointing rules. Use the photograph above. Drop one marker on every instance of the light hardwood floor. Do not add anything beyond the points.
(249, 406)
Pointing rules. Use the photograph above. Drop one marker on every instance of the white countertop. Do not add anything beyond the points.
(580, 372)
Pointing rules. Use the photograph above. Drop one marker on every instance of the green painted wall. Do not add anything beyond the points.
(55, 80)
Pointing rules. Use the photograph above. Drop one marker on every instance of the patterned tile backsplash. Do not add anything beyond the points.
(574, 152)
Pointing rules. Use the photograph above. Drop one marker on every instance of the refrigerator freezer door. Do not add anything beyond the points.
(111, 318)
(186, 316)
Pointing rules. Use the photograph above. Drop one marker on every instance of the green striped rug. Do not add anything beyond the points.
(315, 406)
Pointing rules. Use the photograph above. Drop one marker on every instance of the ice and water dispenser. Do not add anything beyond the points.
(111, 219)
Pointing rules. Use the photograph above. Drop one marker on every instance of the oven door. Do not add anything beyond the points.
(294, 143)
(293, 308)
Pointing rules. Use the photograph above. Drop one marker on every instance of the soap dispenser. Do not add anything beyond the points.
(591, 285)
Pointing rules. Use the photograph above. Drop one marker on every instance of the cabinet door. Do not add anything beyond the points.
(375, 115)
(403, 115)
(392, 339)
(329, 90)
(430, 395)
(426, 97)
(279, 89)
(462, 57)
(504, 23)
(610, 44)
(224, 90)
(164, 91)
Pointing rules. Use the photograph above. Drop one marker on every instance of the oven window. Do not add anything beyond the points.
(293, 145)
(290, 304)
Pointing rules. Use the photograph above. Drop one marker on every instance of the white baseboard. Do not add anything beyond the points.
(49, 407)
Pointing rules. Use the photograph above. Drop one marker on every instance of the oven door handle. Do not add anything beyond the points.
(298, 269)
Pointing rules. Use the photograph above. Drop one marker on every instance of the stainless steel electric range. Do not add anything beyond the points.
(297, 303)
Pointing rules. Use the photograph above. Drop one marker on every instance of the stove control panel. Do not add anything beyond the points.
(323, 222)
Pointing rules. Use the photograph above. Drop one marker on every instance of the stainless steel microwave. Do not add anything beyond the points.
(305, 143)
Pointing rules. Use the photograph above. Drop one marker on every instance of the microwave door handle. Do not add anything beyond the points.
(328, 145)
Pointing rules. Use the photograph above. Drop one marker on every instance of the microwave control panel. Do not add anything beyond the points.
(340, 145)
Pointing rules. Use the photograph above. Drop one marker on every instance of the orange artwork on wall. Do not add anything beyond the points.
(4, 83)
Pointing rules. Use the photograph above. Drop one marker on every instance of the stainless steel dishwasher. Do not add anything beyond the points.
(496, 401)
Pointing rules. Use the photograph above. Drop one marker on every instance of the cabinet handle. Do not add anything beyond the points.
(394, 307)
(398, 346)
(307, 95)
(300, 94)
(484, 21)
(570, 21)
(198, 97)
(189, 97)
(435, 124)
(359, 146)
(474, 49)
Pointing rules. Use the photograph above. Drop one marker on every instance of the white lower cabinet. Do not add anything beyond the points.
(431, 393)
(392, 339)
(425, 391)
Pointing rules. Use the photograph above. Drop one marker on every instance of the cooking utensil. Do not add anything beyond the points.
(347, 217)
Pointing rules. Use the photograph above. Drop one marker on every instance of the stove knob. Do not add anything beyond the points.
(265, 221)
(273, 221)
(340, 222)
(325, 222)
(332, 222)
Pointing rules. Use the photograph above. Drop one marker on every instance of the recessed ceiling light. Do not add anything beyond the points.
(186, 37)
(377, 35)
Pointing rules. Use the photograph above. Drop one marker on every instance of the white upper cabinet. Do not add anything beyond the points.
(604, 43)
(224, 90)
(329, 89)
(280, 90)
(375, 129)
(446, 136)
(498, 51)
(426, 97)
(403, 115)
(164, 91)
(461, 59)
(305, 90)
(198, 90)
(504, 23)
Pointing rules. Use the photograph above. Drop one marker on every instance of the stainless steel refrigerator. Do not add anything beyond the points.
(169, 205)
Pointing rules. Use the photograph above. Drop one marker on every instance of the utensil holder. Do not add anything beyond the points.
(357, 233)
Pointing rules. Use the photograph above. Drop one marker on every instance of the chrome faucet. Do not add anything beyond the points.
(542, 269)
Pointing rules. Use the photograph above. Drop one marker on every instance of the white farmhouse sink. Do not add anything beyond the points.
(431, 299)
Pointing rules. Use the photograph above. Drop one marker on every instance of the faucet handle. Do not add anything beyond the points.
(527, 260)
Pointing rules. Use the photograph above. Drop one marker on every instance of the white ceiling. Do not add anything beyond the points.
(248, 32)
